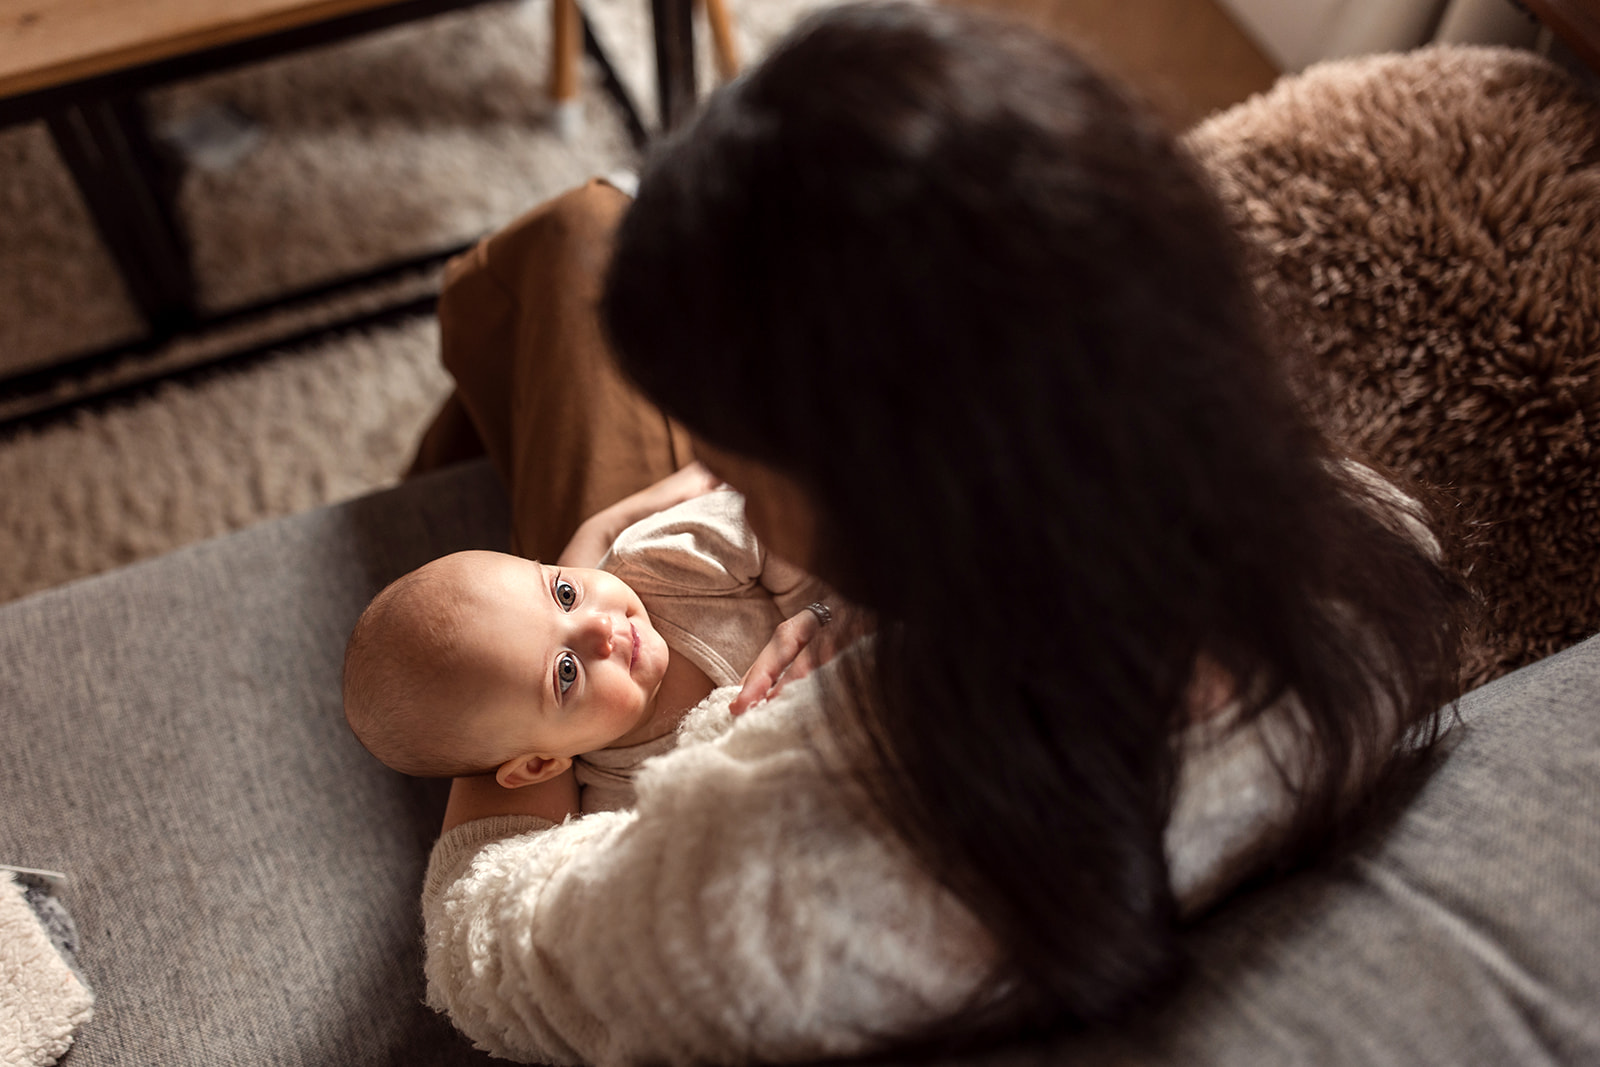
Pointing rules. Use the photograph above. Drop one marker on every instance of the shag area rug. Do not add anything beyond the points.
(295, 171)
(1430, 225)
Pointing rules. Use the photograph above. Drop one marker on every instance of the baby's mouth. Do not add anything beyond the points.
(633, 654)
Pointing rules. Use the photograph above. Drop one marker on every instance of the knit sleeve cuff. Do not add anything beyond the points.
(456, 847)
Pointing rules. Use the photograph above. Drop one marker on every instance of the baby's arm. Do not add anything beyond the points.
(594, 537)
(800, 645)
(482, 797)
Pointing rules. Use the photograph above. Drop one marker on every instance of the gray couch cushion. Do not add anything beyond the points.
(245, 877)
(1466, 932)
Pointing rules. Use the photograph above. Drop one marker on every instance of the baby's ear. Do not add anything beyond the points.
(519, 771)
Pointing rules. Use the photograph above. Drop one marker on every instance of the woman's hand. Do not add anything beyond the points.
(481, 796)
(799, 645)
(594, 537)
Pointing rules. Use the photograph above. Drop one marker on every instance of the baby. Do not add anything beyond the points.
(482, 662)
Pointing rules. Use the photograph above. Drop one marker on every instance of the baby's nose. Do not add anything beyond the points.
(598, 631)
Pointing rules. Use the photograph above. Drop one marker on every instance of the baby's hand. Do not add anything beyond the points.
(799, 645)
(593, 538)
(683, 484)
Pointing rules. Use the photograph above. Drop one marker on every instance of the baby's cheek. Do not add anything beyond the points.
(654, 651)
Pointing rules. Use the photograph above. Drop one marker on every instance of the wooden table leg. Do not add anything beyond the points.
(106, 146)
(566, 31)
(722, 39)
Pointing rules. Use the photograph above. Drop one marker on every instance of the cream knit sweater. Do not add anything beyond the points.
(740, 911)
(743, 910)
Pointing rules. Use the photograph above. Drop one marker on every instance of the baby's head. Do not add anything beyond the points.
(481, 661)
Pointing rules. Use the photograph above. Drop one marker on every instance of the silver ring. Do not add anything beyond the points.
(821, 611)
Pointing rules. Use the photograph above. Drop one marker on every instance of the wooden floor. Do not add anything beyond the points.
(1186, 57)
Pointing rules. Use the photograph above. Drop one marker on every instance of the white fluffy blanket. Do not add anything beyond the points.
(42, 1001)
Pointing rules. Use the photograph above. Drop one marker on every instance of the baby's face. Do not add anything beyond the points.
(574, 663)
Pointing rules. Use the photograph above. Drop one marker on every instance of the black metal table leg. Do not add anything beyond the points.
(105, 145)
(613, 83)
(674, 25)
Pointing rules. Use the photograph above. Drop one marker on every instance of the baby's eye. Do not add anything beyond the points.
(566, 593)
(566, 671)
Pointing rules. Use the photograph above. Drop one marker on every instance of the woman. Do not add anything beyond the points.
(971, 336)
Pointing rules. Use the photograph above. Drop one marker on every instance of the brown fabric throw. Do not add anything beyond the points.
(1430, 223)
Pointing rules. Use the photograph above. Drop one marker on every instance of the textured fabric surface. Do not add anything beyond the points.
(245, 878)
(1431, 224)
(1468, 931)
(243, 875)
(42, 1001)
(743, 912)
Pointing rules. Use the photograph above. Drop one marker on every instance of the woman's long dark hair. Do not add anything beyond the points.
(988, 315)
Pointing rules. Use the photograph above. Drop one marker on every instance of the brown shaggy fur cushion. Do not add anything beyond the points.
(1431, 224)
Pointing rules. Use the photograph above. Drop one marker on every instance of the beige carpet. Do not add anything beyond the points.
(326, 162)
(299, 170)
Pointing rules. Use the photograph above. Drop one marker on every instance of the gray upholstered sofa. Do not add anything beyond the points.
(245, 878)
